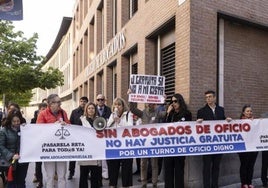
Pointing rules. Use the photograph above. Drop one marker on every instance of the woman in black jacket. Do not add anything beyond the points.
(10, 144)
(174, 166)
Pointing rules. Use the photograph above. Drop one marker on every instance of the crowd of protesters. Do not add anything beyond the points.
(120, 114)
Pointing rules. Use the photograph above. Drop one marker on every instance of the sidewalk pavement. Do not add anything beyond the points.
(136, 184)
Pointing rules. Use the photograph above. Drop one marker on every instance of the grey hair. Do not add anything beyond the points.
(51, 97)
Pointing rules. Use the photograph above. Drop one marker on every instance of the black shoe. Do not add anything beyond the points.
(70, 177)
(137, 172)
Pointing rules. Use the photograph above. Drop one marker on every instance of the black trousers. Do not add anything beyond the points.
(72, 167)
(138, 162)
(211, 170)
(247, 162)
(83, 180)
(174, 172)
(264, 166)
(113, 171)
(38, 172)
(19, 176)
(160, 163)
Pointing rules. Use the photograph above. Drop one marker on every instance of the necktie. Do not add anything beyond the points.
(100, 111)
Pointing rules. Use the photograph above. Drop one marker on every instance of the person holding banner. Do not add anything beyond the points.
(75, 120)
(120, 117)
(103, 111)
(9, 148)
(92, 166)
(149, 115)
(211, 163)
(247, 159)
(38, 175)
(54, 114)
(174, 166)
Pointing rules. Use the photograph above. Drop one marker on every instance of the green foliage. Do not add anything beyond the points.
(20, 67)
(23, 99)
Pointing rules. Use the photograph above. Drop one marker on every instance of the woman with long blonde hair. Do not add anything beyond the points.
(120, 117)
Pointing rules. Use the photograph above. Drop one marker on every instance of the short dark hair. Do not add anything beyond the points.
(84, 98)
(210, 92)
(41, 105)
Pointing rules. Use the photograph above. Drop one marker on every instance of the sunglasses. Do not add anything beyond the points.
(100, 99)
(174, 101)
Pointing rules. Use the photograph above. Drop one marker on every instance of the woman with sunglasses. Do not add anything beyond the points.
(174, 166)
(10, 145)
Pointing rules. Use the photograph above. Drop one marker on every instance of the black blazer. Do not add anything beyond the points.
(75, 116)
(206, 113)
(106, 112)
(180, 116)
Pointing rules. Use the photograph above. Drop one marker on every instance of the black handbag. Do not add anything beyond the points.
(4, 164)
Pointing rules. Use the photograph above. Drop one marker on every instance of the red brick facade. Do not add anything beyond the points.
(219, 44)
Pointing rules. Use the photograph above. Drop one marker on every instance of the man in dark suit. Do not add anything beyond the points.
(75, 120)
(105, 112)
(211, 163)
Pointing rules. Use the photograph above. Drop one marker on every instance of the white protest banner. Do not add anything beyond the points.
(53, 142)
(147, 89)
(71, 142)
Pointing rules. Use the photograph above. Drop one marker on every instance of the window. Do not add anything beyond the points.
(134, 68)
(114, 17)
(133, 7)
(168, 68)
(114, 83)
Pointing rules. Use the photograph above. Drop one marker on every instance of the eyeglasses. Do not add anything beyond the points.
(100, 99)
(174, 101)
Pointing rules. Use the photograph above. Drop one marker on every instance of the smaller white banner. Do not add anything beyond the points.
(147, 89)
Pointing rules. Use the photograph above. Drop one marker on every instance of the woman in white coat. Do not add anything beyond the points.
(121, 116)
(93, 165)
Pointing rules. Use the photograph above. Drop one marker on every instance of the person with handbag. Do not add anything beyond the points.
(9, 148)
